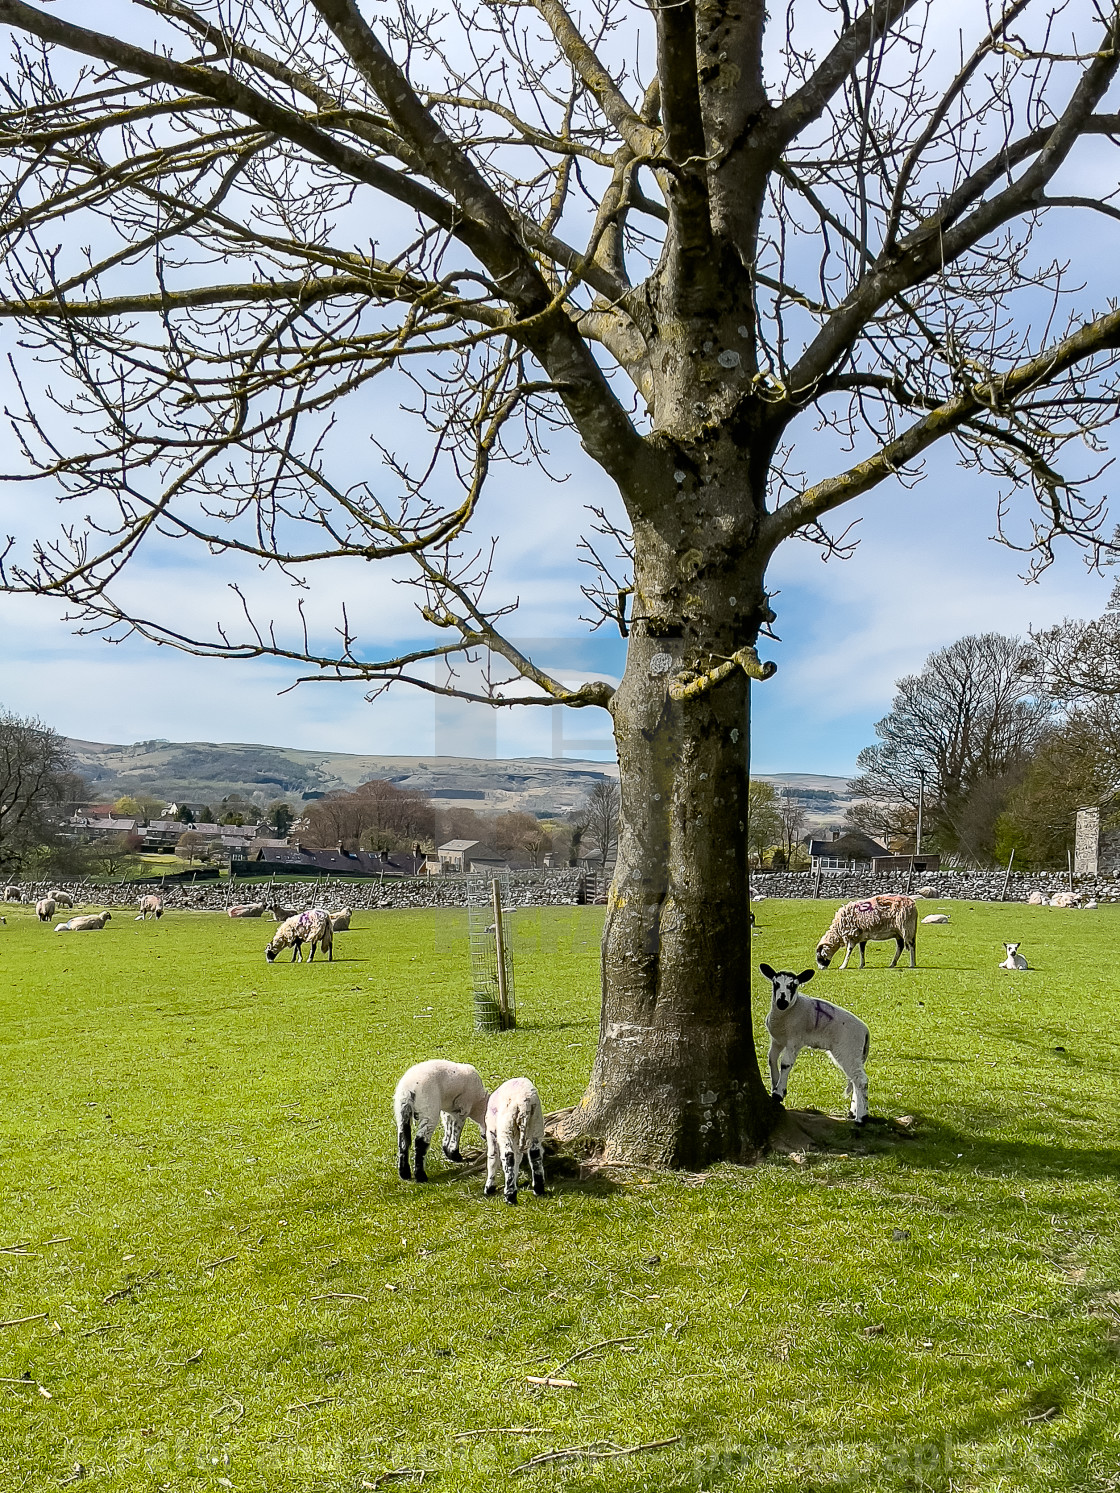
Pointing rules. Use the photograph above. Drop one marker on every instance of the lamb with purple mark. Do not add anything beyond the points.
(795, 1022)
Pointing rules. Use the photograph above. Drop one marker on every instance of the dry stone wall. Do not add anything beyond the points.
(962, 886)
(520, 889)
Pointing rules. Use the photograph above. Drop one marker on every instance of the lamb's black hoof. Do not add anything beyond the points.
(404, 1172)
(511, 1199)
(538, 1192)
(489, 1192)
(455, 1155)
(422, 1176)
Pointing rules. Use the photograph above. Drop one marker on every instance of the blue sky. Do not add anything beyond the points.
(925, 572)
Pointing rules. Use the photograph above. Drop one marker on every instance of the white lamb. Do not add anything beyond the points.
(795, 1022)
(150, 906)
(514, 1132)
(427, 1091)
(877, 918)
(45, 909)
(313, 927)
(90, 923)
(1014, 959)
(340, 921)
(936, 917)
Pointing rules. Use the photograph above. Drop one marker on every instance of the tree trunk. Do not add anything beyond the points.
(676, 1080)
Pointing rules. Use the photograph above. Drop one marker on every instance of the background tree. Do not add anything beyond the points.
(792, 817)
(38, 791)
(514, 832)
(184, 815)
(142, 806)
(600, 820)
(966, 726)
(112, 855)
(695, 258)
(190, 846)
(377, 815)
(764, 824)
(1077, 763)
(280, 818)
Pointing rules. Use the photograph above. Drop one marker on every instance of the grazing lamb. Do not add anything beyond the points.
(151, 906)
(90, 923)
(427, 1091)
(246, 910)
(795, 1022)
(312, 928)
(340, 921)
(60, 899)
(1014, 959)
(872, 919)
(12, 894)
(46, 909)
(936, 917)
(514, 1131)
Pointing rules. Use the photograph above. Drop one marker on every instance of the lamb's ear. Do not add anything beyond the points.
(805, 976)
(766, 970)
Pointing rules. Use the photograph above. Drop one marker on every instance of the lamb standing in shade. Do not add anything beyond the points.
(426, 1092)
(871, 919)
(795, 1022)
(514, 1131)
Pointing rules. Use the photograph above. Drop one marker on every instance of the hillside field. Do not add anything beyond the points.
(211, 1277)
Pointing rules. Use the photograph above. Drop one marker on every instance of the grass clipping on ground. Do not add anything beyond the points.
(213, 1278)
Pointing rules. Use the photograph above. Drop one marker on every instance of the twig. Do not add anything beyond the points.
(311, 1404)
(107, 1327)
(505, 1431)
(741, 1299)
(213, 1265)
(15, 1321)
(62, 1239)
(597, 1451)
(609, 1342)
(550, 1383)
(397, 1473)
(339, 1296)
(128, 1290)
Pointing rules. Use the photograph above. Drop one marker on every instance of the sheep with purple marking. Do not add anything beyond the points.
(871, 919)
(514, 1132)
(427, 1092)
(313, 927)
(795, 1022)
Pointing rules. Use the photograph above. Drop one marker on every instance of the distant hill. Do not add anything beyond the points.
(208, 771)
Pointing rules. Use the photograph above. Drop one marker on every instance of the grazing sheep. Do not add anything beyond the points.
(514, 1131)
(13, 894)
(871, 919)
(312, 928)
(427, 1091)
(246, 910)
(795, 1022)
(340, 921)
(46, 909)
(61, 899)
(90, 923)
(1014, 959)
(936, 917)
(150, 906)
(926, 891)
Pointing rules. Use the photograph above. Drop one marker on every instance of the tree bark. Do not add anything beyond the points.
(676, 1080)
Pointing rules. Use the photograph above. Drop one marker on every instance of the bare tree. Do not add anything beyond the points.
(963, 729)
(692, 248)
(37, 790)
(600, 819)
(375, 816)
(791, 813)
(764, 825)
(1077, 660)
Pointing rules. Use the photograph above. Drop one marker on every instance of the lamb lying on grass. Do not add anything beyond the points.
(795, 1022)
(1014, 959)
(872, 919)
(514, 1132)
(426, 1092)
(90, 923)
(313, 927)
(245, 910)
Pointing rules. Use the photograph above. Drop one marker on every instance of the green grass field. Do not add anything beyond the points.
(228, 1287)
